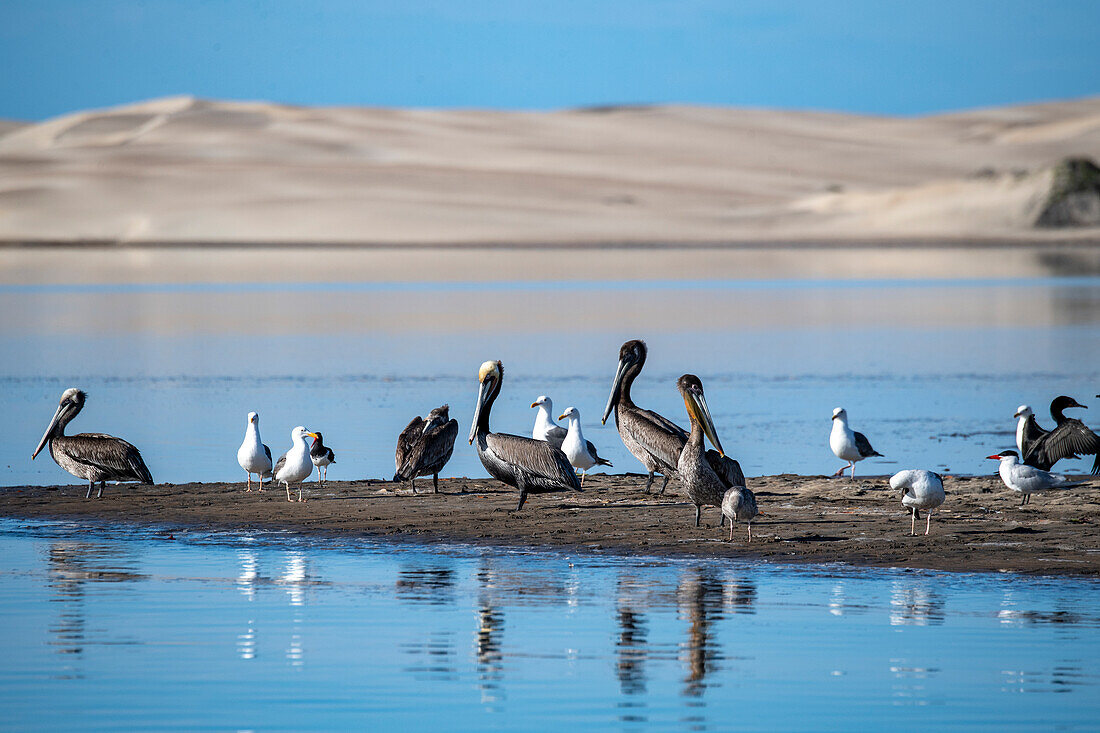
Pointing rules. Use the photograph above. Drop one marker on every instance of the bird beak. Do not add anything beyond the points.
(482, 392)
(1016, 415)
(995, 458)
(313, 435)
(536, 404)
(616, 388)
(697, 405)
(561, 417)
(49, 431)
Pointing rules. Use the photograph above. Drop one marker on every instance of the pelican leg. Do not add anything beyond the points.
(435, 483)
(722, 519)
(698, 514)
(663, 485)
(928, 524)
(412, 484)
(102, 485)
(522, 486)
(1023, 500)
(91, 485)
(750, 530)
(649, 482)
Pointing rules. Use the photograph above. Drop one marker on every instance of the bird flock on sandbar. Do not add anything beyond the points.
(551, 458)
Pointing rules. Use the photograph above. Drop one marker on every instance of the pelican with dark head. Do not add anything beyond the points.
(655, 440)
(532, 466)
(94, 457)
(425, 446)
(701, 482)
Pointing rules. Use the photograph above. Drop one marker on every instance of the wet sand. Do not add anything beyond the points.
(809, 519)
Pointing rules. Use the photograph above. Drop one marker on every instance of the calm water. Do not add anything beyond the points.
(110, 628)
(931, 371)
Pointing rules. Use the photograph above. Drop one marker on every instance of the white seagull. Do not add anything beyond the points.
(848, 445)
(295, 466)
(253, 455)
(545, 428)
(920, 489)
(580, 452)
(1028, 429)
(1028, 480)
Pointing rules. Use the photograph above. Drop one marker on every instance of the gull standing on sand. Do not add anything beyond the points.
(545, 427)
(322, 457)
(1028, 430)
(581, 453)
(253, 456)
(920, 489)
(702, 484)
(94, 457)
(653, 439)
(847, 444)
(532, 466)
(295, 466)
(1028, 480)
(425, 446)
(1070, 438)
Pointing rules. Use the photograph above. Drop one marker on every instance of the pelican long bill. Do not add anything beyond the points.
(49, 431)
(698, 404)
(616, 388)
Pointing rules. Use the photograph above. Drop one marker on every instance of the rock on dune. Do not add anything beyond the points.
(181, 170)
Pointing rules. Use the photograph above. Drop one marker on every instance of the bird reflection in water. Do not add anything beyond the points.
(913, 602)
(490, 628)
(431, 585)
(296, 580)
(631, 648)
(699, 597)
(72, 565)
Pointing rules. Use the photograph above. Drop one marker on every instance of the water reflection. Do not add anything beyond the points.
(490, 629)
(72, 566)
(699, 596)
(914, 603)
(432, 585)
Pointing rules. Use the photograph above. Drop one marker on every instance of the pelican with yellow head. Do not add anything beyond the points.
(532, 466)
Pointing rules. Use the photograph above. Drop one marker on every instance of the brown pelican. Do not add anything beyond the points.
(580, 452)
(1069, 439)
(425, 446)
(253, 456)
(295, 466)
(530, 465)
(94, 457)
(654, 440)
(700, 480)
(847, 444)
(1028, 429)
(322, 457)
(920, 489)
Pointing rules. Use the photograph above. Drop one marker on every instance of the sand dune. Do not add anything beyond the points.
(183, 170)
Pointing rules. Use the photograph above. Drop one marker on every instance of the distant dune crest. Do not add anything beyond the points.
(185, 170)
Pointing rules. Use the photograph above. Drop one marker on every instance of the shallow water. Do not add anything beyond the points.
(930, 370)
(109, 628)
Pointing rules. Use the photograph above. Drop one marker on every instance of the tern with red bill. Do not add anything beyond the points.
(1028, 480)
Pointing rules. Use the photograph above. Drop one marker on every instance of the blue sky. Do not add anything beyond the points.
(875, 56)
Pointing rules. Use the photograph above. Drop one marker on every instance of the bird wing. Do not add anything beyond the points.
(596, 456)
(534, 457)
(435, 449)
(406, 441)
(654, 435)
(107, 453)
(1069, 440)
(279, 464)
(555, 436)
(728, 470)
(267, 452)
(864, 446)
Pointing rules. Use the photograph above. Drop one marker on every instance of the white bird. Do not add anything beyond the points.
(580, 452)
(920, 489)
(295, 466)
(546, 429)
(1028, 480)
(848, 445)
(1028, 429)
(253, 455)
(739, 504)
